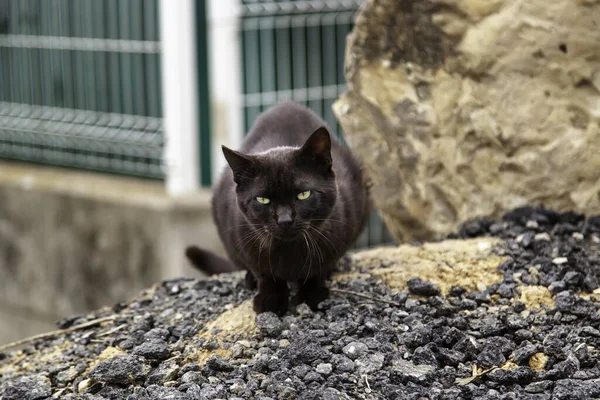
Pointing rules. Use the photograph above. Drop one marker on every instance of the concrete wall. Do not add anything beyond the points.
(72, 241)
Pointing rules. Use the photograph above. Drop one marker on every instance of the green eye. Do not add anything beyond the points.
(263, 200)
(303, 195)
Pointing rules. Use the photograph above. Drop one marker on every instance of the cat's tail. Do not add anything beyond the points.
(208, 262)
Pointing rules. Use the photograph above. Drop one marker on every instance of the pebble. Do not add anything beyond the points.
(424, 355)
(406, 371)
(26, 387)
(163, 373)
(423, 288)
(269, 324)
(343, 364)
(324, 368)
(545, 237)
(192, 377)
(120, 369)
(524, 352)
(154, 349)
(568, 367)
(367, 364)
(355, 350)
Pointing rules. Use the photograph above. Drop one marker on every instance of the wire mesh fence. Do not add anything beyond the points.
(294, 50)
(80, 84)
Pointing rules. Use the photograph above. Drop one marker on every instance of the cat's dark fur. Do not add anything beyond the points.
(288, 151)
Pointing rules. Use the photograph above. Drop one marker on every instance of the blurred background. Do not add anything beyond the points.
(112, 114)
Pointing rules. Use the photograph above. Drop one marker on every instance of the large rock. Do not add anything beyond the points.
(470, 108)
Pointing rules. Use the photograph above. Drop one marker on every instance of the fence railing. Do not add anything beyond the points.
(80, 84)
(294, 50)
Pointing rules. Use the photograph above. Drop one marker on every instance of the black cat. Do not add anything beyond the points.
(291, 203)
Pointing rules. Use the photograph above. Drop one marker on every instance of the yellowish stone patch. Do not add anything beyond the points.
(201, 356)
(538, 361)
(536, 296)
(509, 365)
(469, 263)
(234, 325)
(239, 321)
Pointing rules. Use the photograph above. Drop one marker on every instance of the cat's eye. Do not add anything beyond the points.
(303, 195)
(263, 200)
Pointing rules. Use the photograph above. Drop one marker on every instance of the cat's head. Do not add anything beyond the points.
(286, 191)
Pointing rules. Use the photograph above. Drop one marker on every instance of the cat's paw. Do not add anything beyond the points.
(270, 302)
(312, 296)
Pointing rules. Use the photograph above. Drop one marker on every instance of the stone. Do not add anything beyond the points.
(420, 287)
(153, 349)
(568, 367)
(406, 371)
(424, 355)
(343, 364)
(269, 324)
(324, 368)
(370, 363)
(305, 350)
(163, 373)
(463, 109)
(27, 387)
(355, 350)
(523, 353)
(120, 369)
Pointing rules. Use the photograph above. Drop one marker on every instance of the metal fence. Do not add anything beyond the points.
(80, 84)
(294, 50)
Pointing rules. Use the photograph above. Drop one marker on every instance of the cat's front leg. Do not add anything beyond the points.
(250, 281)
(273, 295)
(312, 291)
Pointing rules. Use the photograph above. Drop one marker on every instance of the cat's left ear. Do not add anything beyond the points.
(241, 165)
(317, 149)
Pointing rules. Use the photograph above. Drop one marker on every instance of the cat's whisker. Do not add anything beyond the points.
(332, 235)
(310, 254)
(307, 257)
(329, 242)
(320, 253)
(248, 239)
(244, 238)
(249, 225)
(270, 266)
(334, 220)
(262, 242)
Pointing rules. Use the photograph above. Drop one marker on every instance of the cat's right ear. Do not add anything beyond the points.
(241, 165)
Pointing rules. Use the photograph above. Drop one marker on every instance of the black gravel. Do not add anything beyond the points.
(417, 344)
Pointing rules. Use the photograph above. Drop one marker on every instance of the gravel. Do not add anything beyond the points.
(408, 344)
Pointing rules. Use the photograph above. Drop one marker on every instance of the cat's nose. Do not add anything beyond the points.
(284, 220)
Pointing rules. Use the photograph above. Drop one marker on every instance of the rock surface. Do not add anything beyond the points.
(526, 327)
(464, 109)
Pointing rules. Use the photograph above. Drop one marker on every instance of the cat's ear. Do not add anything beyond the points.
(241, 165)
(317, 149)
